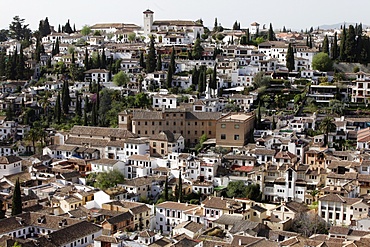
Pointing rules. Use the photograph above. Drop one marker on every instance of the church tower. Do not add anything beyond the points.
(148, 21)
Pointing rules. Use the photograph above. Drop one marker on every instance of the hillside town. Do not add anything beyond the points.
(171, 133)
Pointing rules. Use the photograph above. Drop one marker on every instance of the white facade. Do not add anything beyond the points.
(10, 168)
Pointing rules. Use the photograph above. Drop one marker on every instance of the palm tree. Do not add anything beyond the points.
(326, 126)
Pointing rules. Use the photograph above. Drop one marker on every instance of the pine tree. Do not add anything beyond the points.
(87, 67)
(290, 58)
(271, 34)
(325, 45)
(159, 62)
(334, 47)
(342, 51)
(151, 58)
(17, 199)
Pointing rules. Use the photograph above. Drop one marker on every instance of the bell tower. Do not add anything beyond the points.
(148, 21)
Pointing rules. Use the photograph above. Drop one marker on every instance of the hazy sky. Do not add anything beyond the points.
(295, 14)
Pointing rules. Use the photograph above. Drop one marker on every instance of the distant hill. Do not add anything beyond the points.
(338, 25)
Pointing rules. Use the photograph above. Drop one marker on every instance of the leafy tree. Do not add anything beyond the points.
(326, 126)
(17, 199)
(121, 79)
(151, 58)
(236, 189)
(4, 35)
(290, 58)
(141, 100)
(197, 50)
(109, 179)
(131, 37)
(325, 45)
(336, 106)
(86, 30)
(309, 223)
(322, 62)
(253, 192)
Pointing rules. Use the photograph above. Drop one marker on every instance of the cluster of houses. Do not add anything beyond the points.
(296, 174)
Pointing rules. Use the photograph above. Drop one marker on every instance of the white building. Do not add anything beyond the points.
(10, 165)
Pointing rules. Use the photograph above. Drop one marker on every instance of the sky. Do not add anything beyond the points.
(294, 14)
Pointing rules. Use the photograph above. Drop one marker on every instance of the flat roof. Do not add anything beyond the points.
(240, 117)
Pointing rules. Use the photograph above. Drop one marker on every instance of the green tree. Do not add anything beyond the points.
(67, 28)
(121, 79)
(21, 65)
(325, 45)
(87, 67)
(336, 106)
(169, 77)
(334, 47)
(109, 179)
(66, 98)
(326, 126)
(271, 34)
(172, 60)
(166, 189)
(151, 58)
(322, 62)
(243, 40)
(141, 61)
(57, 110)
(159, 62)
(44, 27)
(20, 31)
(290, 58)
(131, 37)
(342, 50)
(236, 189)
(180, 196)
(350, 45)
(17, 199)
(213, 82)
(253, 192)
(197, 50)
(86, 30)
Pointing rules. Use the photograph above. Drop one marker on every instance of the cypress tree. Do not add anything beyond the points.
(142, 63)
(78, 105)
(169, 77)
(325, 45)
(197, 50)
(311, 45)
(17, 199)
(342, 51)
(290, 58)
(151, 59)
(334, 47)
(103, 59)
(73, 61)
(59, 29)
(259, 117)
(166, 189)
(247, 34)
(195, 76)
(2, 64)
(215, 26)
(66, 98)
(213, 82)
(46, 27)
(86, 59)
(350, 45)
(159, 62)
(20, 67)
(271, 34)
(98, 61)
(172, 60)
(180, 188)
(93, 115)
(56, 48)
(57, 110)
